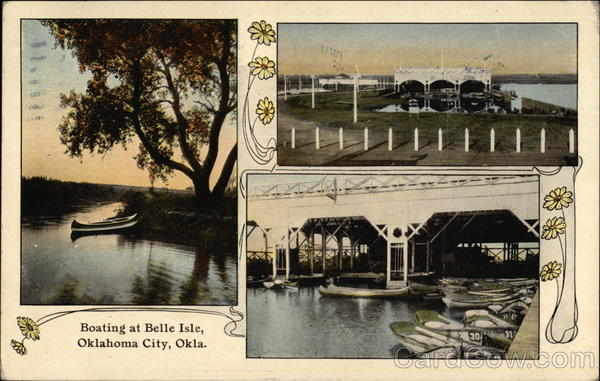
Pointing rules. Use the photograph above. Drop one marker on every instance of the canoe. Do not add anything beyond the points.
(355, 292)
(499, 331)
(108, 225)
(423, 287)
(433, 321)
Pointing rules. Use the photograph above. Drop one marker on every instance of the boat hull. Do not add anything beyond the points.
(108, 225)
(352, 292)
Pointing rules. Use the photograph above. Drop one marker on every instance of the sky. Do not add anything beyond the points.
(377, 48)
(48, 71)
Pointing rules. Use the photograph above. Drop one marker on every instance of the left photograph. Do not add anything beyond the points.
(128, 162)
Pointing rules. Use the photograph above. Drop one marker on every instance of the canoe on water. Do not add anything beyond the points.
(108, 225)
(355, 292)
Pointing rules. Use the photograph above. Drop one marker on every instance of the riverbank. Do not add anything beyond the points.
(173, 218)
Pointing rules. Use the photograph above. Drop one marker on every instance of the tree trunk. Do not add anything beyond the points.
(202, 191)
(219, 189)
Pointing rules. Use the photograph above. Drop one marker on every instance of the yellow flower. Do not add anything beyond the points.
(558, 198)
(18, 347)
(29, 328)
(263, 67)
(262, 32)
(550, 271)
(265, 110)
(553, 227)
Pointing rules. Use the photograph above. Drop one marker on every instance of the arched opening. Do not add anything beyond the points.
(411, 89)
(472, 86)
(442, 95)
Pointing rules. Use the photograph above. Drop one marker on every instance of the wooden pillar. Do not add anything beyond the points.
(323, 247)
(428, 256)
(412, 256)
(287, 253)
(388, 275)
(312, 250)
(340, 249)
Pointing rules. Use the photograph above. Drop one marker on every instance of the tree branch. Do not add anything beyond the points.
(221, 184)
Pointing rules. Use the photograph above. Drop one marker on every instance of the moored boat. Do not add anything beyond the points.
(423, 343)
(354, 292)
(499, 331)
(434, 321)
(108, 225)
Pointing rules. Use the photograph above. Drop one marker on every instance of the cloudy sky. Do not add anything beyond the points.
(377, 48)
(49, 71)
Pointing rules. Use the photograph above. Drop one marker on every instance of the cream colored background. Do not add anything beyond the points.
(56, 355)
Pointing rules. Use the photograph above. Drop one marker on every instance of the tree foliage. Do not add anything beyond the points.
(171, 83)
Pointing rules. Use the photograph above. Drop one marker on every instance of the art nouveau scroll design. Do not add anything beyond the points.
(261, 68)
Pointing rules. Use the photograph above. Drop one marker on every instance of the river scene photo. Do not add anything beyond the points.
(121, 268)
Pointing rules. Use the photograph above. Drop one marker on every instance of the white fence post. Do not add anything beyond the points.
(492, 140)
(366, 138)
(543, 141)
(466, 140)
(317, 139)
(285, 89)
(293, 138)
(390, 139)
(341, 138)
(416, 138)
(518, 143)
(440, 142)
(571, 141)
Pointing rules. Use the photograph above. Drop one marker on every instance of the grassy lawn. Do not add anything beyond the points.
(333, 111)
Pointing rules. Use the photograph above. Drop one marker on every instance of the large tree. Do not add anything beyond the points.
(171, 83)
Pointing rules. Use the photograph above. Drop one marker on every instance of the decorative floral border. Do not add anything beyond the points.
(262, 68)
(561, 330)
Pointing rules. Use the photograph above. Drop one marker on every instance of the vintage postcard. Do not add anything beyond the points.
(300, 190)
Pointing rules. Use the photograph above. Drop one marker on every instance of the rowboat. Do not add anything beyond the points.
(448, 327)
(426, 343)
(423, 343)
(355, 292)
(107, 225)
(277, 284)
(466, 300)
(424, 287)
(500, 332)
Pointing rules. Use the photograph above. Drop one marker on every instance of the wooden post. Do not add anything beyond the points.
(287, 254)
(323, 248)
(427, 255)
(366, 138)
(466, 140)
(341, 138)
(405, 261)
(312, 250)
(285, 89)
(317, 139)
(492, 140)
(355, 91)
(412, 256)
(518, 143)
(571, 141)
(440, 140)
(312, 90)
(293, 137)
(416, 138)
(388, 272)
(543, 140)
(340, 250)
(390, 139)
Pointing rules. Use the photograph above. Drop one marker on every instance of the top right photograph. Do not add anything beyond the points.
(365, 94)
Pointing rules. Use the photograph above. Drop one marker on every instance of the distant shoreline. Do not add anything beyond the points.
(548, 79)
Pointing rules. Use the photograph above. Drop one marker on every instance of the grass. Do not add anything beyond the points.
(334, 110)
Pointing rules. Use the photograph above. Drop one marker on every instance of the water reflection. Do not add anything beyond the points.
(119, 269)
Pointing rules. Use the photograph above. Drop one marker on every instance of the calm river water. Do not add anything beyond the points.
(118, 269)
(303, 324)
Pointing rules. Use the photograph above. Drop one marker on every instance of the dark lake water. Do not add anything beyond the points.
(116, 268)
(302, 324)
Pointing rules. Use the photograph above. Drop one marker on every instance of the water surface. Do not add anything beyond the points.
(117, 268)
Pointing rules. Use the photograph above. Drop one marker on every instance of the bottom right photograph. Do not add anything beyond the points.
(392, 266)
